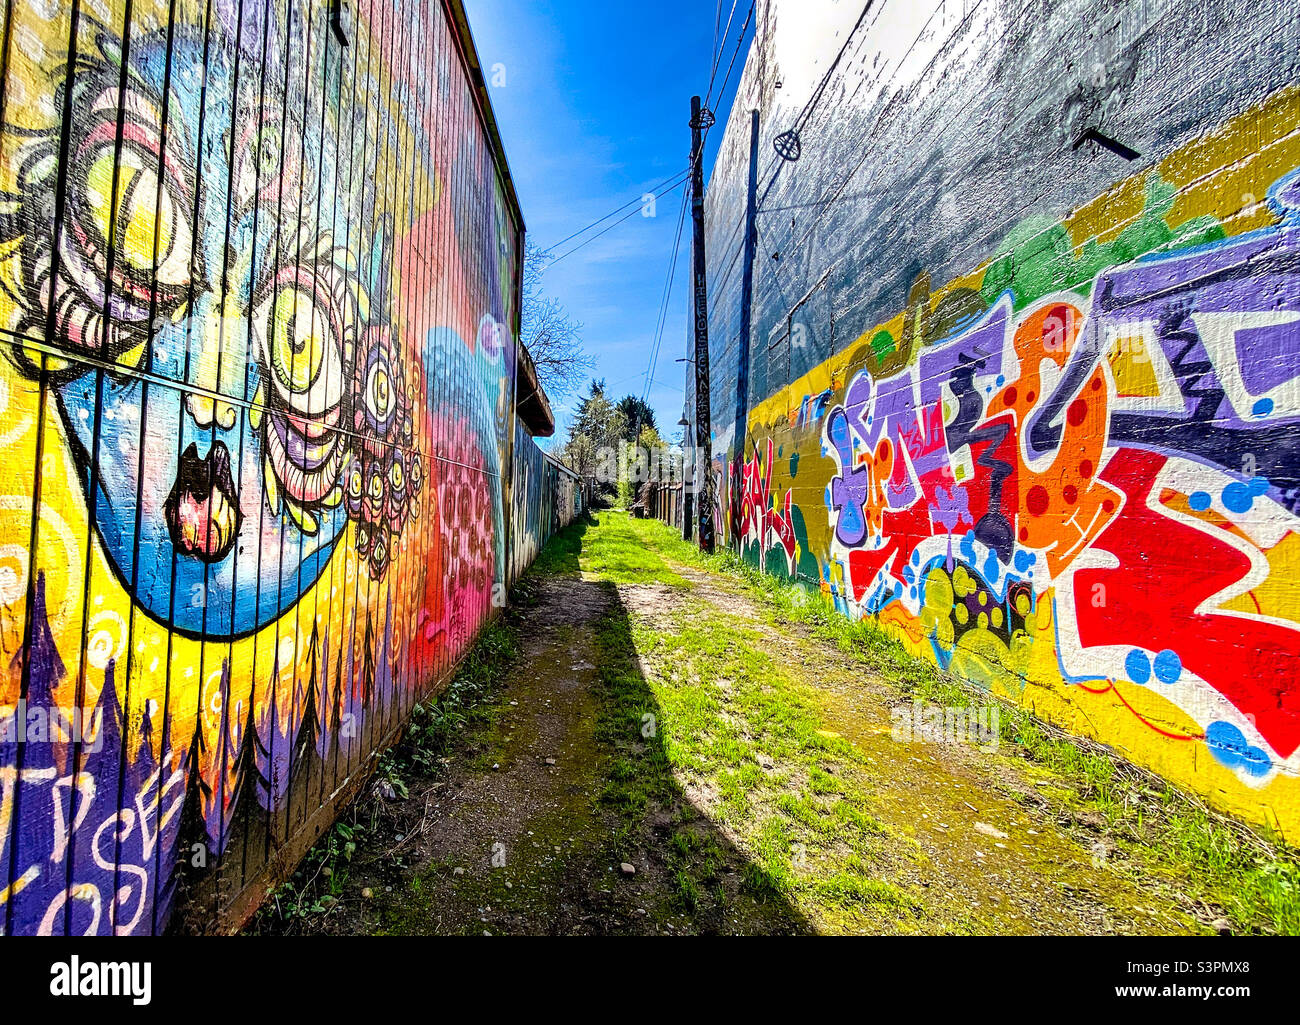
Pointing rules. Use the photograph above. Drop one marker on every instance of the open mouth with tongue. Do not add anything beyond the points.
(203, 507)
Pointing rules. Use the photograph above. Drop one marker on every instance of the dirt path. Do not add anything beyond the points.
(663, 757)
(514, 837)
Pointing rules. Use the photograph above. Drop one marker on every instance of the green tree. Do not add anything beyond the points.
(650, 460)
(579, 455)
(595, 433)
(638, 413)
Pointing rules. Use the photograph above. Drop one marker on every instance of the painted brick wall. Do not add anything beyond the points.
(1034, 407)
(257, 431)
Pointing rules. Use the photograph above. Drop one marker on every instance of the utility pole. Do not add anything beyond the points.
(741, 432)
(701, 119)
(688, 507)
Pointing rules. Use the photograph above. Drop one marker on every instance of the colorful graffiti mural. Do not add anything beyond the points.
(1073, 474)
(570, 500)
(547, 497)
(762, 523)
(258, 292)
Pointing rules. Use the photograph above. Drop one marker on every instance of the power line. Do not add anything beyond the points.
(815, 98)
(717, 27)
(677, 181)
(662, 320)
(614, 213)
(734, 53)
(827, 199)
(586, 242)
(720, 44)
(696, 156)
(667, 300)
(664, 304)
(668, 289)
(817, 93)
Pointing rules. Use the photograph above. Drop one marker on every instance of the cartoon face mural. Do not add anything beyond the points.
(256, 419)
(1073, 475)
(216, 290)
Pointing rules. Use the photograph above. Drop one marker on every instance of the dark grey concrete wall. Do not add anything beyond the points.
(930, 171)
(1031, 401)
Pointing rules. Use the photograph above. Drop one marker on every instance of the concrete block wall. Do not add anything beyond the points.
(1029, 400)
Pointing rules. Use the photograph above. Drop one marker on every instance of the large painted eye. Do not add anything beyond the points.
(380, 396)
(302, 331)
(300, 337)
(125, 207)
(127, 246)
(264, 167)
(379, 387)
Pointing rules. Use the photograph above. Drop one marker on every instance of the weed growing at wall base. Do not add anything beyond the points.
(315, 888)
(1148, 824)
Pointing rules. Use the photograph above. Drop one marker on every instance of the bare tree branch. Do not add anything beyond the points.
(552, 337)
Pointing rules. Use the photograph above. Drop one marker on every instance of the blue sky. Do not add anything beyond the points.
(594, 113)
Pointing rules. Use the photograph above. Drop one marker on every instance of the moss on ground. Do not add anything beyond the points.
(727, 735)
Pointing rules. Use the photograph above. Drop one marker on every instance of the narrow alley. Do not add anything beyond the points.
(653, 742)
(485, 468)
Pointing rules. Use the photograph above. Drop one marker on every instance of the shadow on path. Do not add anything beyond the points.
(529, 823)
